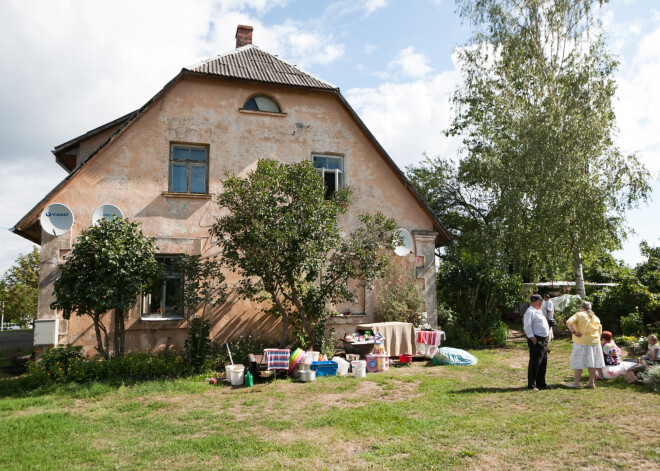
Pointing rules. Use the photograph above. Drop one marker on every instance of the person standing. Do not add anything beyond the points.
(548, 311)
(587, 352)
(537, 331)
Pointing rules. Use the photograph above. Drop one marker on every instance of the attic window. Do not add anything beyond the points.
(262, 103)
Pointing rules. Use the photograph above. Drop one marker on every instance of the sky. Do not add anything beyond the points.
(69, 66)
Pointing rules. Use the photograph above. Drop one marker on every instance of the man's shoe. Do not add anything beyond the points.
(546, 387)
(532, 388)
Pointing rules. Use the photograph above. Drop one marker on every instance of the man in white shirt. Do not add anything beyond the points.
(537, 331)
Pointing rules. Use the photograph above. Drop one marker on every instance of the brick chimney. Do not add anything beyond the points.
(243, 36)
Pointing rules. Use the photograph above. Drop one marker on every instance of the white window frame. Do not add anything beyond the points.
(146, 314)
(323, 171)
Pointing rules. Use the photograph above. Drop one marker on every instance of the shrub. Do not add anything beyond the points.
(399, 299)
(240, 349)
(625, 340)
(198, 344)
(479, 292)
(132, 366)
(632, 324)
(55, 363)
(652, 377)
(629, 295)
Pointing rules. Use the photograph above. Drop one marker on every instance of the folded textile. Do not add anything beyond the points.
(430, 337)
(277, 359)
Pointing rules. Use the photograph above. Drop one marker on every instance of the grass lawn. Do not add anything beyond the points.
(412, 417)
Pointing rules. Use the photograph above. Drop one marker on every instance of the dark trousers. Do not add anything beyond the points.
(538, 361)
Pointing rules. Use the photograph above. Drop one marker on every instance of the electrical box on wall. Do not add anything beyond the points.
(46, 331)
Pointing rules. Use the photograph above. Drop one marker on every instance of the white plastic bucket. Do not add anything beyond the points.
(359, 368)
(342, 365)
(311, 356)
(235, 374)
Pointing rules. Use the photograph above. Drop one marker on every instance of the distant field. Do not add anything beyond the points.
(412, 417)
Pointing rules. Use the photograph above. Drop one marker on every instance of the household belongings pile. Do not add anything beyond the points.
(358, 344)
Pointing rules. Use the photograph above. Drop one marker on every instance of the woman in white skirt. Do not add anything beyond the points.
(587, 352)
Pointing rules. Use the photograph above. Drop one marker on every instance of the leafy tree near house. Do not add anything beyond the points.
(281, 234)
(19, 288)
(110, 264)
(541, 181)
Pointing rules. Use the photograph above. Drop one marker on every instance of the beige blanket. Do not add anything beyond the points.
(399, 336)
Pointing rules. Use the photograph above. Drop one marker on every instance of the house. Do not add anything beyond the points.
(162, 164)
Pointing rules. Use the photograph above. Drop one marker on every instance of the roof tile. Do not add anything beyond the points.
(251, 63)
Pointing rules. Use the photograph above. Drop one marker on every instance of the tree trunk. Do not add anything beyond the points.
(577, 269)
(285, 319)
(115, 334)
(120, 332)
(99, 336)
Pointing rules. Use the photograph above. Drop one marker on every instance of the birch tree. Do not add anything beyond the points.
(535, 111)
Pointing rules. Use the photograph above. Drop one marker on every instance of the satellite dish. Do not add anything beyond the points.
(56, 219)
(106, 211)
(405, 246)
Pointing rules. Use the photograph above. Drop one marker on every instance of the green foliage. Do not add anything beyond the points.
(399, 299)
(445, 314)
(203, 283)
(19, 289)
(240, 349)
(282, 236)
(648, 271)
(198, 343)
(111, 263)
(604, 268)
(479, 292)
(652, 377)
(535, 111)
(632, 324)
(133, 366)
(629, 295)
(56, 361)
(625, 340)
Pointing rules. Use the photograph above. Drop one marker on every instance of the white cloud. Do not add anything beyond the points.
(411, 64)
(72, 65)
(370, 48)
(639, 101)
(408, 118)
(300, 44)
(371, 6)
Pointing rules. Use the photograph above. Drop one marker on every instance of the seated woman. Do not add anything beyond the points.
(612, 357)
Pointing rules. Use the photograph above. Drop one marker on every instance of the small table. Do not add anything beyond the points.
(428, 341)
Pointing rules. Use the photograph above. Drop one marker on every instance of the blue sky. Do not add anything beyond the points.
(72, 65)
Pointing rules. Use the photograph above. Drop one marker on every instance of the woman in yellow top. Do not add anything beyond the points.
(587, 352)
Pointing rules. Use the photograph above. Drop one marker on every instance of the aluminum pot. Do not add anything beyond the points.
(307, 375)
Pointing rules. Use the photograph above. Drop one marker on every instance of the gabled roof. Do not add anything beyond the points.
(247, 63)
(251, 63)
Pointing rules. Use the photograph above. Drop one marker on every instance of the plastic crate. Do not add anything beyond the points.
(325, 368)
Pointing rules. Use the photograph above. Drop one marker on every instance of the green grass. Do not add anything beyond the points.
(413, 417)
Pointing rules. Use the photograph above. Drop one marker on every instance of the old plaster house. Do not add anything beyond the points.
(162, 164)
